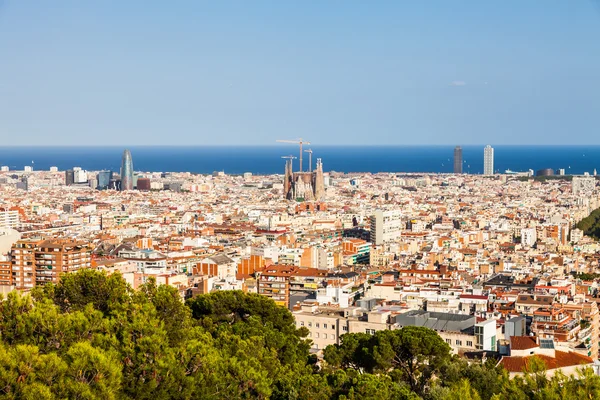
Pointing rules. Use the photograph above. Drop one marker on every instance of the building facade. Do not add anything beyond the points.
(488, 160)
(127, 171)
(306, 186)
(458, 160)
(386, 226)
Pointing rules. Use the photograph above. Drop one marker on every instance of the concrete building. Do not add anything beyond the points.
(460, 331)
(9, 219)
(386, 226)
(458, 160)
(528, 236)
(37, 261)
(488, 160)
(79, 175)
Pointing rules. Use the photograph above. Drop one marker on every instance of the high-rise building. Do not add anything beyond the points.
(69, 177)
(458, 160)
(127, 171)
(488, 160)
(104, 178)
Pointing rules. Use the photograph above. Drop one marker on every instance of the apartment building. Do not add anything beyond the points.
(9, 219)
(38, 261)
(386, 226)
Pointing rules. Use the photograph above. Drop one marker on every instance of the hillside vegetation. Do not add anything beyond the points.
(590, 225)
(93, 337)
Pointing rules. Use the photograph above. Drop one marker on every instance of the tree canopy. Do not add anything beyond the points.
(92, 337)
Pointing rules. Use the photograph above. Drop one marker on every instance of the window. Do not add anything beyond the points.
(324, 326)
(316, 334)
(317, 325)
(448, 341)
(458, 342)
(310, 324)
(301, 323)
(333, 327)
(324, 336)
(370, 331)
(345, 329)
(469, 343)
(333, 336)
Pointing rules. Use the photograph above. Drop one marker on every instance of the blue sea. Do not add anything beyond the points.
(267, 159)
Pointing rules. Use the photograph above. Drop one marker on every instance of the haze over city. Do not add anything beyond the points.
(237, 72)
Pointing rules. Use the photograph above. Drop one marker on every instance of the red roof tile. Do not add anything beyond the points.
(561, 360)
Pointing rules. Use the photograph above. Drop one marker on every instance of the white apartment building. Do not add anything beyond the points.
(386, 226)
(488, 160)
(9, 219)
(528, 236)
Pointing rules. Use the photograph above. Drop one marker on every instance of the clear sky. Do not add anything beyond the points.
(123, 72)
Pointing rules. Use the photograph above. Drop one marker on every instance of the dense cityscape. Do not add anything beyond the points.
(501, 268)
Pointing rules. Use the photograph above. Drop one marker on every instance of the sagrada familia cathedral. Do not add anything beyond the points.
(306, 186)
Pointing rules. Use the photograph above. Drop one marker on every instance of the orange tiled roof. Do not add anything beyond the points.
(561, 360)
(522, 343)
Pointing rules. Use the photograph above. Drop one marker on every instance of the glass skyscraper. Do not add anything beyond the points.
(127, 171)
(104, 178)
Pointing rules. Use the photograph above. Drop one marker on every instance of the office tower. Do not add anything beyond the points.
(386, 226)
(488, 160)
(458, 161)
(127, 171)
(104, 178)
(69, 177)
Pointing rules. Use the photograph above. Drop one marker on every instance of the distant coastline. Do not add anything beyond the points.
(267, 159)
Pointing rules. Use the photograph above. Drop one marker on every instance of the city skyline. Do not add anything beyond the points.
(194, 73)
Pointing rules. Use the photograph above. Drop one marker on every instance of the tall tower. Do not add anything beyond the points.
(488, 160)
(288, 180)
(458, 161)
(126, 171)
(319, 184)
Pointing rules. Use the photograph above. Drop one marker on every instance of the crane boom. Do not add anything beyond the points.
(299, 141)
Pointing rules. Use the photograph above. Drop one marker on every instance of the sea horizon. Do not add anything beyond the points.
(266, 160)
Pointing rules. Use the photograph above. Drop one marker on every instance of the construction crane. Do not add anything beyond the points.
(309, 151)
(298, 141)
(289, 158)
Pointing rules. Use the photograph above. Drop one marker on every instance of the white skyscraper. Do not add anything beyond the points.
(488, 160)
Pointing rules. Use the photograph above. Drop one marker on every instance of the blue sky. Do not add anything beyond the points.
(198, 72)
